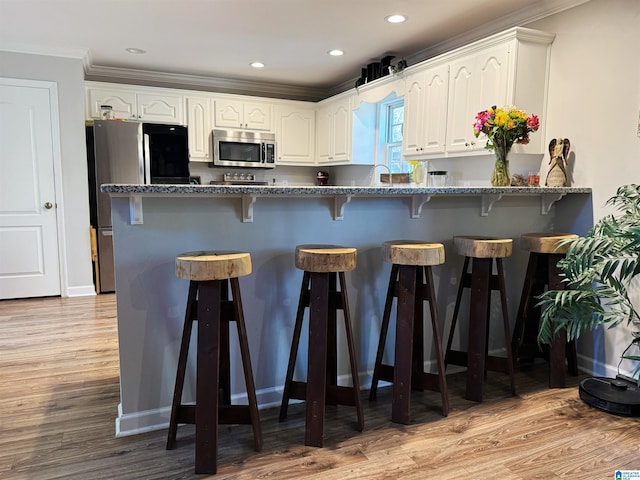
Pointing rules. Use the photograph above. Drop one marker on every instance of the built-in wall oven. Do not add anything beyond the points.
(239, 148)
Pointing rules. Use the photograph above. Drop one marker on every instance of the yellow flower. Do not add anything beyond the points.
(501, 118)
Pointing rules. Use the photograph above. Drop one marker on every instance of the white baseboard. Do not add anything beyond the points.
(158, 419)
(83, 291)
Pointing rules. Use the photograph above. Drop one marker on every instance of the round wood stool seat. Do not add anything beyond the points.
(483, 247)
(212, 265)
(413, 252)
(547, 242)
(325, 258)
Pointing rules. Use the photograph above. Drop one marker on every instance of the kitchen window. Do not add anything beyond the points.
(391, 126)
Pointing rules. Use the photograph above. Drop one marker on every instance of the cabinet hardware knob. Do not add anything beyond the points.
(48, 205)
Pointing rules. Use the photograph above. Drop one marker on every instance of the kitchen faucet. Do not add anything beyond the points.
(373, 173)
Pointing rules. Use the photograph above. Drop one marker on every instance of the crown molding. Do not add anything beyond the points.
(204, 83)
(78, 53)
(535, 11)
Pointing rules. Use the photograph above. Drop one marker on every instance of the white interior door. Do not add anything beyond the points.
(29, 259)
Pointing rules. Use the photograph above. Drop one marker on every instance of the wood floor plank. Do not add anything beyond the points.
(59, 388)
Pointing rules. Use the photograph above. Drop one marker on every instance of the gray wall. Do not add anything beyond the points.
(594, 100)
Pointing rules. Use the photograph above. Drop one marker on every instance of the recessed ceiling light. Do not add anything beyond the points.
(136, 50)
(335, 52)
(396, 18)
(257, 64)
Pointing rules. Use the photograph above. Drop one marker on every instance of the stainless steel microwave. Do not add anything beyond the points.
(239, 148)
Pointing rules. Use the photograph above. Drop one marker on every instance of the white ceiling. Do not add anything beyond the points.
(211, 42)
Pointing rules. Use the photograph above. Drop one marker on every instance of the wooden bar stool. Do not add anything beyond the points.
(323, 265)
(481, 281)
(210, 273)
(411, 263)
(546, 250)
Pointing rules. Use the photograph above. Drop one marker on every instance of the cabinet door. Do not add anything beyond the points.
(492, 75)
(199, 125)
(295, 135)
(324, 135)
(229, 114)
(342, 132)
(461, 104)
(436, 96)
(425, 106)
(257, 116)
(413, 114)
(476, 83)
(122, 102)
(160, 108)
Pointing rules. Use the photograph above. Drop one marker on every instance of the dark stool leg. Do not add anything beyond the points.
(207, 377)
(558, 350)
(505, 320)
(525, 333)
(456, 310)
(418, 330)
(335, 302)
(189, 318)
(317, 361)
(476, 349)
(226, 316)
(437, 340)
(246, 364)
(352, 352)
(303, 302)
(384, 329)
(402, 364)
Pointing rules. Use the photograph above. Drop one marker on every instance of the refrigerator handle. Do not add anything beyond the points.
(147, 160)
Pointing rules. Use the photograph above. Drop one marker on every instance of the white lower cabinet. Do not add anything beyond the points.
(295, 134)
(199, 127)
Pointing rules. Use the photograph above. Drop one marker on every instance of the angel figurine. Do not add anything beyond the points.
(558, 151)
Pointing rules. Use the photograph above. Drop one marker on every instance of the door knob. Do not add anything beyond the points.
(48, 205)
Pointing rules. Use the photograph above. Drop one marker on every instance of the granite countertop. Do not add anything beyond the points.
(266, 190)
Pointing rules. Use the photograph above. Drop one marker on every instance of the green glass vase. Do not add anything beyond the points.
(501, 176)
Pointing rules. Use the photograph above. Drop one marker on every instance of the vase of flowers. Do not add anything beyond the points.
(504, 127)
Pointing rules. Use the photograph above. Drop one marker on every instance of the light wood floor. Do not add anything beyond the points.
(59, 393)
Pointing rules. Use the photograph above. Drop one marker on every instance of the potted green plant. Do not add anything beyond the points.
(602, 270)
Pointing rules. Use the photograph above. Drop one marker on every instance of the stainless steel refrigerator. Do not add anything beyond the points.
(132, 153)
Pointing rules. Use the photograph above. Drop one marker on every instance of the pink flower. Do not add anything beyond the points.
(533, 122)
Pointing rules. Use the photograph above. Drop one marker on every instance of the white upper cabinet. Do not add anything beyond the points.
(445, 93)
(426, 96)
(295, 134)
(333, 132)
(122, 102)
(159, 108)
(147, 104)
(244, 115)
(477, 82)
(199, 127)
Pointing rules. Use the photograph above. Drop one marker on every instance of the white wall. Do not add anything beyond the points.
(69, 76)
(594, 100)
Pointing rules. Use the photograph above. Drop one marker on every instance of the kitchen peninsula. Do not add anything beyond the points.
(154, 223)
